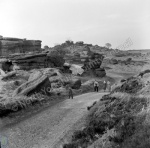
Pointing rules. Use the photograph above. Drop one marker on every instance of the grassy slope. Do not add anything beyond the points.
(120, 119)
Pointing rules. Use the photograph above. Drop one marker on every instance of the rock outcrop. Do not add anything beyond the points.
(37, 61)
(31, 61)
(15, 45)
(92, 65)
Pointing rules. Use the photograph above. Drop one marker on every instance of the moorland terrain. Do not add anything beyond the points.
(35, 110)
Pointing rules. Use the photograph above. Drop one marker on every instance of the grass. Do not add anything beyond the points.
(120, 119)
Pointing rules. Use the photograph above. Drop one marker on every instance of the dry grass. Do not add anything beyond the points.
(121, 119)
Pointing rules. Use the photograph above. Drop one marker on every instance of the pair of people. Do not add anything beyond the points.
(106, 85)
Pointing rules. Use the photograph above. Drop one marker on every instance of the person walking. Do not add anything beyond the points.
(70, 93)
(109, 86)
(105, 85)
(96, 86)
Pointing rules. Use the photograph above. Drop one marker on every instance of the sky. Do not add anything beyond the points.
(93, 21)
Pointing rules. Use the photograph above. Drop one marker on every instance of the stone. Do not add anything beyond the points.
(40, 84)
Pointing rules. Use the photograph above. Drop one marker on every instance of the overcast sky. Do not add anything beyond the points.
(91, 21)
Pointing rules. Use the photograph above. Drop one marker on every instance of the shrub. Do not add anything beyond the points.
(77, 84)
(144, 72)
(131, 85)
(56, 58)
(129, 59)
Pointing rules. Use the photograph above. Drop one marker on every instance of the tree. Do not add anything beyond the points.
(46, 47)
(56, 58)
(80, 43)
(60, 50)
(108, 45)
(69, 42)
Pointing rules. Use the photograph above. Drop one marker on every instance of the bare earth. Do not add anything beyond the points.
(45, 129)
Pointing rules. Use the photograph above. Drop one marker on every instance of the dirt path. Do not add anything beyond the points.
(45, 129)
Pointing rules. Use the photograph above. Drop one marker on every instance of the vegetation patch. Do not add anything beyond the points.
(120, 119)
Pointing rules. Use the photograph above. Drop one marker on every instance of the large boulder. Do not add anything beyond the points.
(100, 72)
(35, 75)
(76, 69)
(40, 84)
(93, 64)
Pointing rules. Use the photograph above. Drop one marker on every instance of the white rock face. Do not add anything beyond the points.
(76, 69)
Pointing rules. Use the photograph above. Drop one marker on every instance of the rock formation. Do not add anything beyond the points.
(15, 45)
(92, 66)
(31, 61)
(33, 86)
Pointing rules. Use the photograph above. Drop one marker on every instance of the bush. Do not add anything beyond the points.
(144, 72)
(113, 61)
(120, 114)
(56, 58)
(77, 84)
(129, 59)
(132, 85)
(140, 139)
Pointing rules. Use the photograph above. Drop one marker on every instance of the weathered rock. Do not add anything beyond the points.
(35, 75)
(29, 62)
(94, 63)
(40, 84)
(37, 61)
(15, 45)
(9, 75)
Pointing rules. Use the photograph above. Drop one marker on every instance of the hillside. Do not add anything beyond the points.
(120, 119)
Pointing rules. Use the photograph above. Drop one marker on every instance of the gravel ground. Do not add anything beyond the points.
(45, 129)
